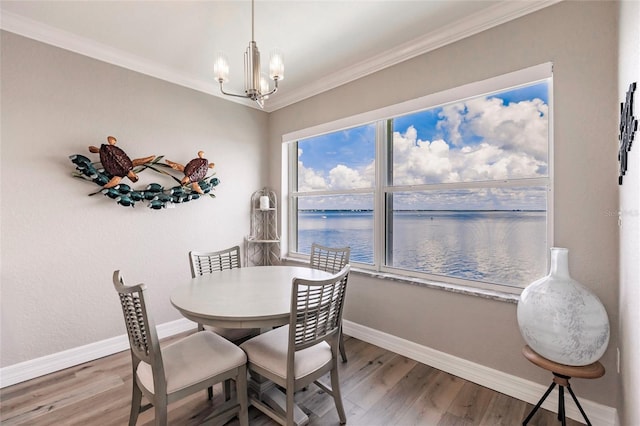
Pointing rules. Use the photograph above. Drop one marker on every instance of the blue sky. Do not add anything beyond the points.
(539, 90)
(501, 136)
(356, 147)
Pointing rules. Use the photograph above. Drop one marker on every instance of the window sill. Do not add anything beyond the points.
(438, 285)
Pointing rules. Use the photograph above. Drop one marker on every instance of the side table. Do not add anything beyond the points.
(561, 375)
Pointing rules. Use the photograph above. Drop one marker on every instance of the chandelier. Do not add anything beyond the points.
(256, 86)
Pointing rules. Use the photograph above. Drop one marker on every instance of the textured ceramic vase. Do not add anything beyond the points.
(561, 319)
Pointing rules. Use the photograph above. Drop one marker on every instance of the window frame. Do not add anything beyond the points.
(381, 118)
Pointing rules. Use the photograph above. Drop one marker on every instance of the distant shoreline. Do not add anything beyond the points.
(417, 210)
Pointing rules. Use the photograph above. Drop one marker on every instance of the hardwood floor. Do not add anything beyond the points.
(378, 388)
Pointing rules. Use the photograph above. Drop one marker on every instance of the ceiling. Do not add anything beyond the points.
(325, 43)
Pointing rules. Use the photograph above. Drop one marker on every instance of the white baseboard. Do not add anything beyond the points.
(59, 361)
(499, 381)
(507, 384)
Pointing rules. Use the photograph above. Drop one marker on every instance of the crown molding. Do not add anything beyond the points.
(74, 43)
(489, 18)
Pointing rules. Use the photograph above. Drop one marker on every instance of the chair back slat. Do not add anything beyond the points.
(135, 322)
(329, 259)
(208, 262)
(143, 338)
(317, 308)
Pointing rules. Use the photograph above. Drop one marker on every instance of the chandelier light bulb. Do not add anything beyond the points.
(276, 65)
(221, 68)
(264, 85)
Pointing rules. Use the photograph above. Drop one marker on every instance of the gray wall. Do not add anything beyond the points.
(59, 246)
(629, 71)
(580, 38)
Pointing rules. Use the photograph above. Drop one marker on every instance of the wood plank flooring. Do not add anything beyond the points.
(378, 388)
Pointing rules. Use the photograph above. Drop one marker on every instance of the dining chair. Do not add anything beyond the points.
(300, 353)
(202, 263)
(331, 260)
(167, 374)
(207, 262)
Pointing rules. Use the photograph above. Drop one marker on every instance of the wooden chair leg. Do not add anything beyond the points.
(343, 353)
(161, 414)
(227, 390)
(289, 407)
(136, 400)
(337, 396)
(242, 395)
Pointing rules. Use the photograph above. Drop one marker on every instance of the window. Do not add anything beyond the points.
(456, 191)
(335, 192)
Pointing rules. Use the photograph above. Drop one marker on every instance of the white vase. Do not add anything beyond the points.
(561, 319)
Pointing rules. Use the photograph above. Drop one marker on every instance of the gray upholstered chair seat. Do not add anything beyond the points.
(186, 362)
(192, 364)
(302, 352)
(269, 351)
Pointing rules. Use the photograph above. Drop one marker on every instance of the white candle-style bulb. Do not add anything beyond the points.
(276, 65)
(221, 68)
(264, 84)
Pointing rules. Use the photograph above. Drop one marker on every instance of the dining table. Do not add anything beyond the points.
(249, 297)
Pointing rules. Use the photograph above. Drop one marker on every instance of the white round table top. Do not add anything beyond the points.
(258, 296)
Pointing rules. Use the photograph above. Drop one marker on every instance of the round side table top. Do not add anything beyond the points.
(591, 371)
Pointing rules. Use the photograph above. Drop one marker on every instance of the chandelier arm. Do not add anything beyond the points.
(232, 94)
(275, 89)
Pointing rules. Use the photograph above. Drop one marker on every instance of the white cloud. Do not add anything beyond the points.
(343, 177)
(339, 177)
(518, 126)
(513, 144)
(309, 179)
(507, 142)
(416, 161)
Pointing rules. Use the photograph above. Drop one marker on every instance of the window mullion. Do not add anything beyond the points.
(292, 240)
(379, 214)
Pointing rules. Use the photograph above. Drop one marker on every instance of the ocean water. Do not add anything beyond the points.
(500, 247)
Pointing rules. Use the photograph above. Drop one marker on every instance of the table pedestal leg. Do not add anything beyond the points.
(267, 392)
